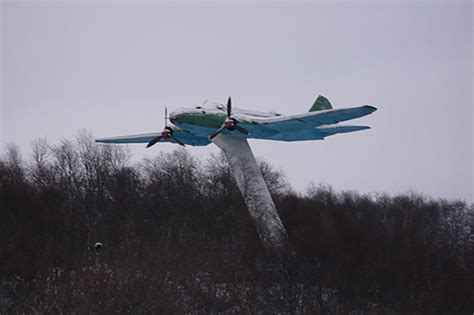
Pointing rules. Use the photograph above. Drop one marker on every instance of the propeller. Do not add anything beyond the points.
(229, 123)
(167, 133)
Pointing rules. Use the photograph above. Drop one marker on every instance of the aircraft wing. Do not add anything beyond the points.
(313, 119)
(185, 137)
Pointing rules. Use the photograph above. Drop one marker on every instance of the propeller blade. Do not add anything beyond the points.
(152, 142)
(166, 116)
(178, 141)
(218, 131)
(229, 107)
(242, 130)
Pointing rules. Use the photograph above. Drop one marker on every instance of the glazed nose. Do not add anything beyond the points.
(174, 118)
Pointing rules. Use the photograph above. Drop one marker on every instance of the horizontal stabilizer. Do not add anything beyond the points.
(332, 130)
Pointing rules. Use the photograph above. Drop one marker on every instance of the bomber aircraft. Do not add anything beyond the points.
(199, 125)
(230, 128)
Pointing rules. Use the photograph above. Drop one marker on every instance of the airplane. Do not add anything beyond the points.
(198, 126)
(230, 128)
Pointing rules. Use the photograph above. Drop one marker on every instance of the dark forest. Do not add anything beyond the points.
(178, 239)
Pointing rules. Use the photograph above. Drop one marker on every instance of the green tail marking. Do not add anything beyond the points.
(320, 103)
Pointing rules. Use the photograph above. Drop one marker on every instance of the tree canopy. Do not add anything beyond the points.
(177, 238)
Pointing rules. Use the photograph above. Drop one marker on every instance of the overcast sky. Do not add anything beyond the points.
(111, 68)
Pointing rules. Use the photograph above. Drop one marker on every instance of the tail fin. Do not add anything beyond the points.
(320, 103)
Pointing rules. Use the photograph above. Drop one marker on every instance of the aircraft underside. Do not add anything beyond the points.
(199, 136)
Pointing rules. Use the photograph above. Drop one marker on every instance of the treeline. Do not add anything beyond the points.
(178, 239)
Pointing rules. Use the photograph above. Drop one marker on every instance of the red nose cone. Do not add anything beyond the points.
(229, 123)
(165, 133)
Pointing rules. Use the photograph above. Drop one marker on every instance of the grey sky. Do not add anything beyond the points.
(110, 68)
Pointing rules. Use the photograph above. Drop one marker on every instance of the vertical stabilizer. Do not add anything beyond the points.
(321, 103)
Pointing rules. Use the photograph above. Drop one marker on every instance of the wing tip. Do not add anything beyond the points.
(105, 140)
(371, 108)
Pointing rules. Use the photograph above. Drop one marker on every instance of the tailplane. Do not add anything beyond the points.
(321, 103)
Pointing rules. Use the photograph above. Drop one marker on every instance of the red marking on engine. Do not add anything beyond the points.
(229, 123)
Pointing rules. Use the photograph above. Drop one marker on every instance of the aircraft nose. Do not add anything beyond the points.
(174, 118)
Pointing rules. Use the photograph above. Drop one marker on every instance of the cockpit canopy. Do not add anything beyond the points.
(212, 106)
(222, 107)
